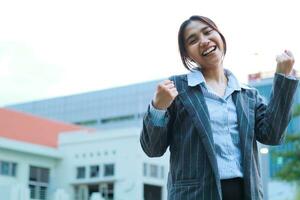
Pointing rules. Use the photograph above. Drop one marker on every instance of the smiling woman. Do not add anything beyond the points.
(191, 31)
(211, 122)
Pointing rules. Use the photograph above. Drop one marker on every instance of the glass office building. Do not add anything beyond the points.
(104, 109)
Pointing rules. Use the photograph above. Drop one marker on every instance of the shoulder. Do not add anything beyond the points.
(246, 87)
(178, 77)
(250, 91)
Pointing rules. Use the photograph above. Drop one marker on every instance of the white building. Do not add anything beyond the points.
(47, 156)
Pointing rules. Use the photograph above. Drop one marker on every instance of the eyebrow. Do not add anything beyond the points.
(193, 34)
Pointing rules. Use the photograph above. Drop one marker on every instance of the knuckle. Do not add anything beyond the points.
(160, 86)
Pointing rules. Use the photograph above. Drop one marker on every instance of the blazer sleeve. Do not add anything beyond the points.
(155, 137)
(272, 119)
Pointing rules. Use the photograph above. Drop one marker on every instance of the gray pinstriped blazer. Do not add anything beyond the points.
(193, 171)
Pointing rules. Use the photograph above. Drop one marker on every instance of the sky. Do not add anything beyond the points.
(58, 48)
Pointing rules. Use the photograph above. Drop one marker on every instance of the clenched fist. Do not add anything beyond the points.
(285, 62)
(164, 95)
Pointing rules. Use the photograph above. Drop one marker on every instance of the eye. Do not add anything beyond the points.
(208, 31)
(192, 40)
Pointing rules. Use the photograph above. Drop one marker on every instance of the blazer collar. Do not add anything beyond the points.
(195, 77)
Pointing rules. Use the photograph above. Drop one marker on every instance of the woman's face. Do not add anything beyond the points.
(204, 45)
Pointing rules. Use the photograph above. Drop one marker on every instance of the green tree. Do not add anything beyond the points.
(290, 171)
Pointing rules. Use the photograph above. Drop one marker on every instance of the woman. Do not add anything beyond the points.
(211, 122)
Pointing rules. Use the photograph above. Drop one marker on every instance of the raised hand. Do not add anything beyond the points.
(285, 62)
(165, 94)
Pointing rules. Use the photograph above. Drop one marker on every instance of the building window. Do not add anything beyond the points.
(117, 119)
(43, 192)
(8, 168)
(107, 190)
(80, 172)
(109, 169)
(13, 169)
(38, 182)
(154, 171)
(152, 192)
(87, 123)
(4, 168)
(145, 169)
(162, 172)
(94, 171)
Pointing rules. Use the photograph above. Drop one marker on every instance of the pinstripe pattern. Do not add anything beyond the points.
(193, 167)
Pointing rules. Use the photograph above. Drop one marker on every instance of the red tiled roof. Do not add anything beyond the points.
(25, 127)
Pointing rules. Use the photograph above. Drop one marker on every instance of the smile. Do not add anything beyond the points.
(209, 50)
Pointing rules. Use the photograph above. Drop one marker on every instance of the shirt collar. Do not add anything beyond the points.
(195, 77)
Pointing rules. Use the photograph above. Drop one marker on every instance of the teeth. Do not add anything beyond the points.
(208, 51)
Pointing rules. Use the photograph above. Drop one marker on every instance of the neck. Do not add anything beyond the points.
(215, 75)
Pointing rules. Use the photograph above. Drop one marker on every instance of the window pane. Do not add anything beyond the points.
(44, 175)
(80, 172)
(153, 171)
(145, 169)
(162, 172)
(94, 171)
(43, 193)
(109, 170)
(38, 177)
(32, 191)
(14, 169)
(33, 174)
(4, 168)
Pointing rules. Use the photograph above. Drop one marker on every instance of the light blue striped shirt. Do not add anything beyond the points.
(224, 123)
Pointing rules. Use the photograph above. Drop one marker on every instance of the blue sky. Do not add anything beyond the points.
(55, 48)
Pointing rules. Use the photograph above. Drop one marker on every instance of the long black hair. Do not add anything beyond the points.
(188, 64)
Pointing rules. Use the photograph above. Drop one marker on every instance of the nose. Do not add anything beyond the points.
(204, 42)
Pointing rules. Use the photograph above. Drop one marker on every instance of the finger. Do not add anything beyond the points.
(175, 94)
(170, 86)
(174, 91)
(285, 57)
(166, 81)
(289, 53)
(279, 58)
(164, 84)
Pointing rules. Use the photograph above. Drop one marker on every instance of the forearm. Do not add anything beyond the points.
(154, 137)
(272, 119)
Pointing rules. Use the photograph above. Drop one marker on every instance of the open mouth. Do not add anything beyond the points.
(209, 51)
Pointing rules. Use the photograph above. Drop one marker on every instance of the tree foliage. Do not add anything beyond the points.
(290, 171)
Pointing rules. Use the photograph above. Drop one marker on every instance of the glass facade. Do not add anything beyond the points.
(103, 109)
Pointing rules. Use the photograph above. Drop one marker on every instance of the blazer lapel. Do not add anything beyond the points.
(242, 118)
(245, 115)
(194, 102)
